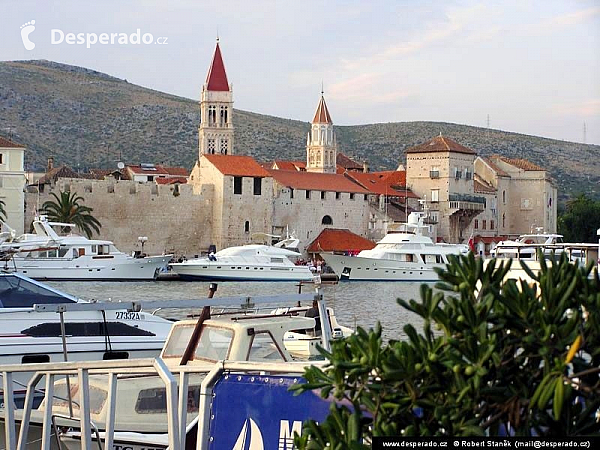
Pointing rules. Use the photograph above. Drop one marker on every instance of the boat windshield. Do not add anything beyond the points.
(17, 292)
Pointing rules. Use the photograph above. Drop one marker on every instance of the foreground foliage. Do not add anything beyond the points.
(492, 356)
(69, 208)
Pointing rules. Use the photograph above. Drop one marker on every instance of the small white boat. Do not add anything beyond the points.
(140, 420)
(251, 262)
(407, 255)
(31, 337)
(55, 252)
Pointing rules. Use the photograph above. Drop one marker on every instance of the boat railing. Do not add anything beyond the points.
(176, 395)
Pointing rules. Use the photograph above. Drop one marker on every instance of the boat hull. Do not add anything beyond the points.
(191, 272)
(356, 268)
(129, 269)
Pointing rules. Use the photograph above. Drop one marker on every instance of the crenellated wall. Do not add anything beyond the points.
(174, 219)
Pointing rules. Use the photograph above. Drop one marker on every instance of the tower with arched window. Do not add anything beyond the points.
(321, 145)
(215, 133)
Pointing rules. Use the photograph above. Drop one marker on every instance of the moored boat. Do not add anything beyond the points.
(407, 255)
(55, 252)
(253, 262)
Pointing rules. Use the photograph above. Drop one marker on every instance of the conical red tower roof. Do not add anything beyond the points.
(216, 79)
(322, 114)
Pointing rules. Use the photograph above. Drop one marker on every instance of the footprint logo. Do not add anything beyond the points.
(26, 30)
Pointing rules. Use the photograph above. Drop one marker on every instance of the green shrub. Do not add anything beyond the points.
(491, 355)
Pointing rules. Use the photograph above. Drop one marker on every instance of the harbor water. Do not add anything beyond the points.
(355, 303)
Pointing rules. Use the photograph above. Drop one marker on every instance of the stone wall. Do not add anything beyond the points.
(304, 216)
(172, 217)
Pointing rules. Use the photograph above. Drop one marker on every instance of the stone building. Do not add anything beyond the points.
(12, 182)
(526, 196)
(440, 171)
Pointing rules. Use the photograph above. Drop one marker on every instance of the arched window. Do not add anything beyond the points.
(247, 227)
(504, 197)
(326, 220)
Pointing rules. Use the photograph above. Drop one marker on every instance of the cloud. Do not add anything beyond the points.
(567, 20)
(368, 87)
(587, 108)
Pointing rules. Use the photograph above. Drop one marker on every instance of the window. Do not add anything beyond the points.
(291, 193)
(212, 115)
(503, 220)
(247, 227)
(337, 195)
(210, 147)
(468, 175)
(484, 227)
(435, 195)
(351, 196)
(322, 195)
(366, 197)
(434, 172)
(1, 158)
(476, 224)
(307, 194)
(504, 198)
(223, 116)
(224, 146)
(257, 185)
(457, 173)
(491, 224)
(237, 185)
(326, 220)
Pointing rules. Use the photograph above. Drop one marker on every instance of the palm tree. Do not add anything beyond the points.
(2, 211)
(69, 208)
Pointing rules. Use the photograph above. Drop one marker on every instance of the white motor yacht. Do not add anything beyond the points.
(55, 252)
(251, 262)
(526, 246)
(407, 255)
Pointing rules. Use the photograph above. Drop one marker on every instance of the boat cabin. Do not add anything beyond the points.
(236, 338)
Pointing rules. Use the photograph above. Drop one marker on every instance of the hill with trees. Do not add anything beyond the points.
(87, 119)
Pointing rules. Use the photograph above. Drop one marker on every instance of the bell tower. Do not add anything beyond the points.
(321, 145)
(215, 133)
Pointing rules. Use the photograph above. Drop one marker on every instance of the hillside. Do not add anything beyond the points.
(88, 119)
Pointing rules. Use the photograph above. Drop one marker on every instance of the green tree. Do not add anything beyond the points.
(580, 221)
(69, 208)
(2, 211)
(492, 354)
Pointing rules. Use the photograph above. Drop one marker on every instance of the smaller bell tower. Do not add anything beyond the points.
(321, 145)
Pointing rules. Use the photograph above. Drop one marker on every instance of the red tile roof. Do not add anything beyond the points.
(494, 167)
(289, 165)
(441, 144)
(322, 114)
(7, 143)
(481, 187)
(148, 170)
(216, 80)
(314, 181)
(338, 240)
(237, 165)
(522, 164)
(171, 180)
(347, 163)
(177, 171)
(58, 172)
(390, 183)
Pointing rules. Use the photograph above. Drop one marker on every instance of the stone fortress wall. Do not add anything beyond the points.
(172, 217)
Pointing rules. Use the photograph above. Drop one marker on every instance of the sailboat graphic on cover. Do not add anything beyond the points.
(250, 438)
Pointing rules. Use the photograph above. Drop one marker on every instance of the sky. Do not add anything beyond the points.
(530, 67)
